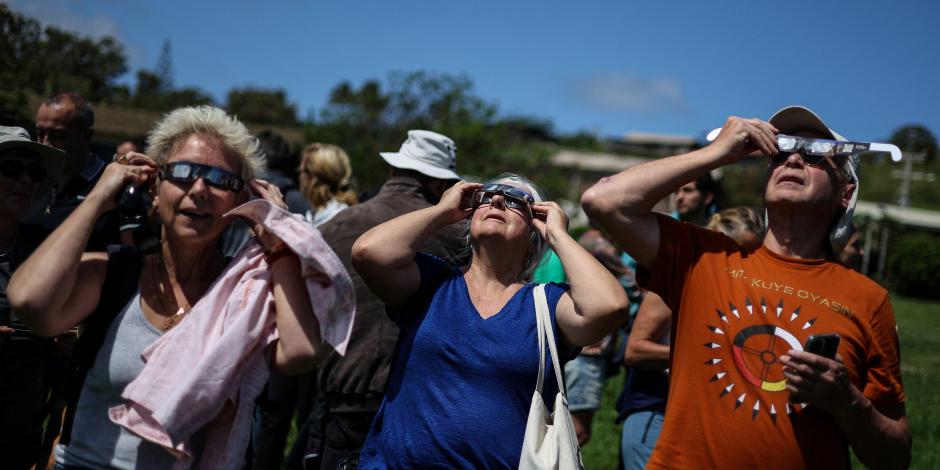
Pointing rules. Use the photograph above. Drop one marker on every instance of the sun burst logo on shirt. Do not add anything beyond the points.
(762, 335)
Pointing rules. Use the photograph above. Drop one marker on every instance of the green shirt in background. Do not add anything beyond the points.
(549, 269)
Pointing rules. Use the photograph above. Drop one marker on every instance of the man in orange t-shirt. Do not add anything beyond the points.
(742, 392)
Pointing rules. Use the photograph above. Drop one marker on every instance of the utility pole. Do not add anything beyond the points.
(904, 196)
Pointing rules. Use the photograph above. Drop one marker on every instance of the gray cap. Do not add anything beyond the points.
(50, 157)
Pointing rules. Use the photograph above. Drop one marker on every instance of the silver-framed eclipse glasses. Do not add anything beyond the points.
(825, 148)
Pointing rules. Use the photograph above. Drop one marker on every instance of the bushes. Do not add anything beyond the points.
(914, 265)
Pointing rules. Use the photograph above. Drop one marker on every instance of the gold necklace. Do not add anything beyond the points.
(174, 319)
(183, 309)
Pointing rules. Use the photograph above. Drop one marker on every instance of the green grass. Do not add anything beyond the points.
(601, 452)
(919, 329)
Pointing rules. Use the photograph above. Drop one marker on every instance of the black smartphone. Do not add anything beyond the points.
(132, 205)
(824, 345)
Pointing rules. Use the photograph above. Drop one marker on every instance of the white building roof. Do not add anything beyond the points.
(601, 162)
(909, 216)
(658, 139)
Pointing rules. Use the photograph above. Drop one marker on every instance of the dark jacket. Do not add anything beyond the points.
(292, 196)
(49, 212)
(360, 377)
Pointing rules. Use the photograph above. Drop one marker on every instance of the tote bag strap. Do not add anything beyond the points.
(540, 332)
(546, 332)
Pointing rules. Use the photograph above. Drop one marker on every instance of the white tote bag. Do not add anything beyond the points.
(550, 441)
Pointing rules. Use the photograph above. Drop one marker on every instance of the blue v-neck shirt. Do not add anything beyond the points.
(461, 386)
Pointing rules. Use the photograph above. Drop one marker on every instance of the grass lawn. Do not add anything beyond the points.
(919, 328)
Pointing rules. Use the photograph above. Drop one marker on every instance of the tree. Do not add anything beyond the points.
(151, 93)
(20, 45)
(916, 138)
(262, 106)
(164, 69)
(583, 140)
(355, 119)
(155, 90)
(914, 264)
(372, 118)
(50, 60)
(348, 106)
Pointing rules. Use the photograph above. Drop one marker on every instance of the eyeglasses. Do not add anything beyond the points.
(815, 151)
(819, 149)
(14, 169)
(808, 159)
(51, 133)
(513, 197)
(186, 173)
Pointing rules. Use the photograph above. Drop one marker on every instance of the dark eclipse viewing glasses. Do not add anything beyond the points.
(187, 173)
(513, 197)
(14, 169)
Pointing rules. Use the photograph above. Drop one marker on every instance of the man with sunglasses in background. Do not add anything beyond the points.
(742, 392)
(67, 122)
(354, 384)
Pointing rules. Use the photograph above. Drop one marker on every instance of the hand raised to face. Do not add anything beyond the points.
(740, 137)
(549, 219)
(457, 201)
(130, 168)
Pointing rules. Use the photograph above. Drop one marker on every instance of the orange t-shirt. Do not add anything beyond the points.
(734, 313)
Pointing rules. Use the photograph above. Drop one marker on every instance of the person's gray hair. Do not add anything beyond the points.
(537, 246)
(841, 229)
(179, 124)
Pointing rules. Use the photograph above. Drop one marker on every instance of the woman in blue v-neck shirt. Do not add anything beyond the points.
(461, 385)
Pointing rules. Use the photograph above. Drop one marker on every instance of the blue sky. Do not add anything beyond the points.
(609, 67)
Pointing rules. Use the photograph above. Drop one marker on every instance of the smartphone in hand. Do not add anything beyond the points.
(824, 345)
(133, 206)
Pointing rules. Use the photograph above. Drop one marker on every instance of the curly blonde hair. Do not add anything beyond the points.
(328, 175)
(175, 128)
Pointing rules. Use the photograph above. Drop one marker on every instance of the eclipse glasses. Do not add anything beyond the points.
(824, 148)
(187, 173)
(513, 197)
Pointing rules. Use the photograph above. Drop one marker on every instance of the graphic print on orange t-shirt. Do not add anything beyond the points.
(762, 335)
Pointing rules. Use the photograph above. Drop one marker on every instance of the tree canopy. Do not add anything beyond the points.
(373, 118)
(47, 60)
(916, 138)
(262, 106)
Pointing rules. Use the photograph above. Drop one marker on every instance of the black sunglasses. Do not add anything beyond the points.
(14, 169)
(808, 158)
(186, 173)
(53, 134)
(513, 197)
